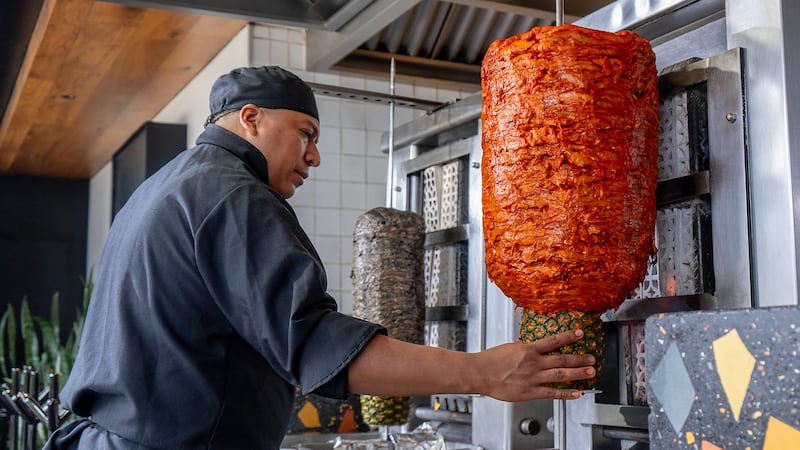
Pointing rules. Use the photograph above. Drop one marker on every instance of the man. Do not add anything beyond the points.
(210, 303)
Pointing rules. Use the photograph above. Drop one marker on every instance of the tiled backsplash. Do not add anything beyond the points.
(352, 176)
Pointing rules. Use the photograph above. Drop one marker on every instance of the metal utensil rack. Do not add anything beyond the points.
(28, 407)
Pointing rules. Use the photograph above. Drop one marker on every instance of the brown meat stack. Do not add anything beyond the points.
(389, 289)
(570, 147)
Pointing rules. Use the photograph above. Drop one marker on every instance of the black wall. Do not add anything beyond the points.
(43, 226)
(146, 151)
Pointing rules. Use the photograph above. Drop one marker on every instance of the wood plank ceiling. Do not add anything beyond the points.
(92, 74)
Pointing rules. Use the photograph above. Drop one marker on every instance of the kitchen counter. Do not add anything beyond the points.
(724, 379)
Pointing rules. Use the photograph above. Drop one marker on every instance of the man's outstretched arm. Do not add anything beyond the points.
(509, 372)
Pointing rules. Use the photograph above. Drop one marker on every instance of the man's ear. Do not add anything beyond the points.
(248, 118)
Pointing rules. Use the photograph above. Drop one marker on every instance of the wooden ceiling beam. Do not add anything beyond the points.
(8, 149)
(96, 72)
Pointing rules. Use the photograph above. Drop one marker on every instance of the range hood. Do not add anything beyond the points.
(431, 39)
(317, 14)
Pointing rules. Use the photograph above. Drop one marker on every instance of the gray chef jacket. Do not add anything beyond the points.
(210, 305)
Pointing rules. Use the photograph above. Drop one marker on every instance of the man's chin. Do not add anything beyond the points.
(289, 194)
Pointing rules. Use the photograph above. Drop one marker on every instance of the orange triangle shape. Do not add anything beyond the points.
(348, 424)
(780, 436)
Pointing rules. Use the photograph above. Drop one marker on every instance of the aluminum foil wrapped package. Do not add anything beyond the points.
(361, 444)
(424, 437)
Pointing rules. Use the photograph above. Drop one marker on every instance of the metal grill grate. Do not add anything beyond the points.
(673, 139)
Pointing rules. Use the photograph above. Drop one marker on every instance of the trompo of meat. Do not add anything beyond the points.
(570, 146)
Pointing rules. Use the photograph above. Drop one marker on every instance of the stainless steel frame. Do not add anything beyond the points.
(767, 30)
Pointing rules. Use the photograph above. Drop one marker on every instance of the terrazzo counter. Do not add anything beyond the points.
(724, 379)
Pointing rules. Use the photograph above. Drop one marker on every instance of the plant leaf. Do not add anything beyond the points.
(3, 330)
(55, 316)
(51, 347)
(12, 336)
(29, 340)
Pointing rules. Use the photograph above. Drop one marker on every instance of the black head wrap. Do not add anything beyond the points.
(268, 87)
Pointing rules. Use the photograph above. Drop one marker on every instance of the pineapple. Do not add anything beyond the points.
(376, 410)
(536, 325)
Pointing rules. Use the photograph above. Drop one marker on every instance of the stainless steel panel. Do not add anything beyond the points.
(426, 129)
(726, 129)
(728, 176)
(585, 411)
(767, 30)
(652, 19)
(702, 42)
(438, 156)
(404, 198)
(476, 276)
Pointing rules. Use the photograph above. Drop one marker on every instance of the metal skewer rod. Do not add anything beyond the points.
(559, 12)
(562, 425)
(562, 404)
(389, 169)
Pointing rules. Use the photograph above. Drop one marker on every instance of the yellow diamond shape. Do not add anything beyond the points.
(309, 416)
(780, 436)
(735, 366)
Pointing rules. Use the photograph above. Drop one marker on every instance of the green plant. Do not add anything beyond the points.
(43, 349)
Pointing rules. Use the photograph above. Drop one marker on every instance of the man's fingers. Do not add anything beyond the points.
(562, 394)
(556, 341)
(565, 360)
(562, 374)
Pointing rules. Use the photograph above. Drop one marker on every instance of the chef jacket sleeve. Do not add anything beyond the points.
(269, 283)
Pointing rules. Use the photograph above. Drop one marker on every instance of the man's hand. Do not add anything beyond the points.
(521, 371)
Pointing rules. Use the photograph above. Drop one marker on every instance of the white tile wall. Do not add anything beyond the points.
(280, 46)
(354, 168)
(327, 193)
(352, 176)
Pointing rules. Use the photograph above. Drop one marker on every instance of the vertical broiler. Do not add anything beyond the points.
(569, 170)
(723, 234)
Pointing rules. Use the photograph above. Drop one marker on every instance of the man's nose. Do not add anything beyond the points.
(312, 155)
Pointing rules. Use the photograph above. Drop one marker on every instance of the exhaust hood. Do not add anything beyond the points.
(433, 39)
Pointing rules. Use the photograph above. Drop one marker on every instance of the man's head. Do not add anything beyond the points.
(276, 112)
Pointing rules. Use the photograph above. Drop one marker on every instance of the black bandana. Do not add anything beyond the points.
(268, 87)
